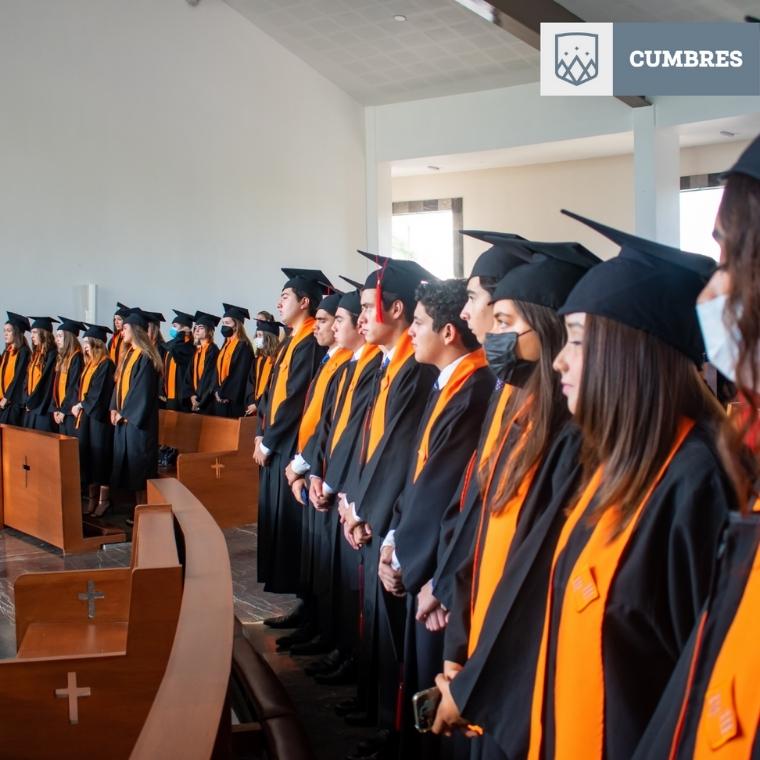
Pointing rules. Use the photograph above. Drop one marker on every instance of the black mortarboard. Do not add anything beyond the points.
(207, 320)
(138, 318)
(498, 259)
(122, 310)
(353, 283)
(43, 323)
(182, 318)
(748, 163)
(330, 303)
(550, 272)
(156, 317)
(352, 301)
(269, 325)
(71, 325)
(314, 282)
(99, 332)
(19, 321)
(648, 286)
(236, 312)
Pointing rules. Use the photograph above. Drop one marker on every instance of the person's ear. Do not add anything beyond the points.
(397, 309)
(448, 333)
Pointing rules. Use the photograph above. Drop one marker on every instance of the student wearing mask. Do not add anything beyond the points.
(39, 376)
(203, 368)
(266, 345)
(177, 363)
(233, 364)
(13, 366)
(68, 371)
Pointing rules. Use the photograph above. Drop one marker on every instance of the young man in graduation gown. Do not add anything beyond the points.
(67, 374)
(446, 437)
(13, 365)
(279, 537)
(203, 366)
(39, 376)
(379, 468)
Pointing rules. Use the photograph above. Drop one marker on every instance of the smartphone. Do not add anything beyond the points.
(425, 704)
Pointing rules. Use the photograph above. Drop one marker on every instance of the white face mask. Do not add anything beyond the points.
(259, 343)
(721, 343)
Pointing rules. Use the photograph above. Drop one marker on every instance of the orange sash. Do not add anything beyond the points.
(84, 383)
(170, 372)
(403, 350)
(125, 377)
(224, 360)
(369, 352)
(34, 371)
(469, 364)
(199, 363)
(59, 388)
(283, 367)
(313, 412)
(114, 350)
(579, 674)
(263, 373)
(8, 369)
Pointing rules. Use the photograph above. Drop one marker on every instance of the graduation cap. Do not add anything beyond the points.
(550, 272)
(330, 303)
(122, 310)
(236, 312)
(156, 317)
(748, 163)
(99, 332)
(138, 318)
(399, 277)
(19, 321)
(313, 282)
(496, 261)
(354, 283)
(182, 318)
(71, 325)
(207, 320)
(352, 301)
(43, 323)
(648, 286)
(269, 326)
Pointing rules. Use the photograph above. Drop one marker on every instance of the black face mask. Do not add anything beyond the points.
(227, 331)
(501, 353)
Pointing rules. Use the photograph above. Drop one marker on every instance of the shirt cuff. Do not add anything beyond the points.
(266, 451)
(395, 564)
(326, 489)
(300, 465)
(389, 540)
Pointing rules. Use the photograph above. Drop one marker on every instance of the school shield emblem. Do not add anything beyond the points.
(576, 57)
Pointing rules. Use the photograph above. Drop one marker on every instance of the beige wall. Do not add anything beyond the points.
(527, 199)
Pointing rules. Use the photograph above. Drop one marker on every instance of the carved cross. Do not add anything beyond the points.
(72, 693)
(26, 467)
(90, 598)
(218, 466)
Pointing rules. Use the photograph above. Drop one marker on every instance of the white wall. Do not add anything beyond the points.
(175, 156)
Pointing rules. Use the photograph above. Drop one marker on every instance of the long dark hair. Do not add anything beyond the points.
(538, 407)
(634, 390)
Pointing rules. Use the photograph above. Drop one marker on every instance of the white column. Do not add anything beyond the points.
(656, 158)
(379, 193)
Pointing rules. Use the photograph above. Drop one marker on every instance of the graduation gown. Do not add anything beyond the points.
(177, 378)
(711, 707)
(115, 348)
(93, 427)
(231, 383)
(66, 393)
(203, 375)
(12, 383)
(659, 586)
(37, 399)
(279, 529)
(135, 442)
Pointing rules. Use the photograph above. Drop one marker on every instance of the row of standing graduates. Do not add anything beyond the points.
(575, 625)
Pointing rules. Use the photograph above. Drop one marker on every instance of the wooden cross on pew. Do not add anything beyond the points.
(90, 598)
(26, 467)
(218, 466)
(73, 693)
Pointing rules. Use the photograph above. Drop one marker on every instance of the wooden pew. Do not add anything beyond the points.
(40, 491)
(215, 462)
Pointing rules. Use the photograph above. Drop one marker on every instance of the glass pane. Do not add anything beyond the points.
(427, 238)
(698, 210)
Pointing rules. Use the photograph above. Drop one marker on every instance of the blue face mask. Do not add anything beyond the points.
(721, 343)
(173, 332)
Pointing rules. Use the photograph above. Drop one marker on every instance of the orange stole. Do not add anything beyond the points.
(199, 363)
(263, 373)
(59, 388)
(114, 350)
(579, 683)
(403, 350)
(224, 360)
(34, 371)
(313, 411)
(84, 383)
(170, 373)
(7, 369)
(125, 376)
(283, 367)
(469, 364)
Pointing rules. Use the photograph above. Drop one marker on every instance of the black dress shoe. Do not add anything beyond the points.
(362, 719)
(317, 645)
(346, 706)
(300, 636)
(291, 620)
(327, 664)
(345, 673)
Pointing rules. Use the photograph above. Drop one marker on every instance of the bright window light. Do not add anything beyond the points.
(698, 211)
(427, 238)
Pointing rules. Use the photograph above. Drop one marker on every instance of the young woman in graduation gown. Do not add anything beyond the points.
(521, 481)
(39, 376)
(92, 415)
(203, 368)
(68, 371)
(117, 339)
(711, 708)
(233, 365)
(267, 344)
(633, 564)
(13, 365)
(134, 408)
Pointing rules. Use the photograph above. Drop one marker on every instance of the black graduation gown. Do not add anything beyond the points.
(37, 403)
(95, 431)
(686, 690)
(279, 529)
(71, 396)
(659, 589)
(374, 489)
(232, 390)
(13, 414)
(181, 352)
(135, 441)
(204, 390)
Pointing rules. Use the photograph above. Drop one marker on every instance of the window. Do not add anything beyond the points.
(699, 201)
(428, 232)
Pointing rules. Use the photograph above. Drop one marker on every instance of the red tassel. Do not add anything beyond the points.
(379, 301)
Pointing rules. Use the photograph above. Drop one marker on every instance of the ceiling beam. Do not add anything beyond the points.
(523, 19)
